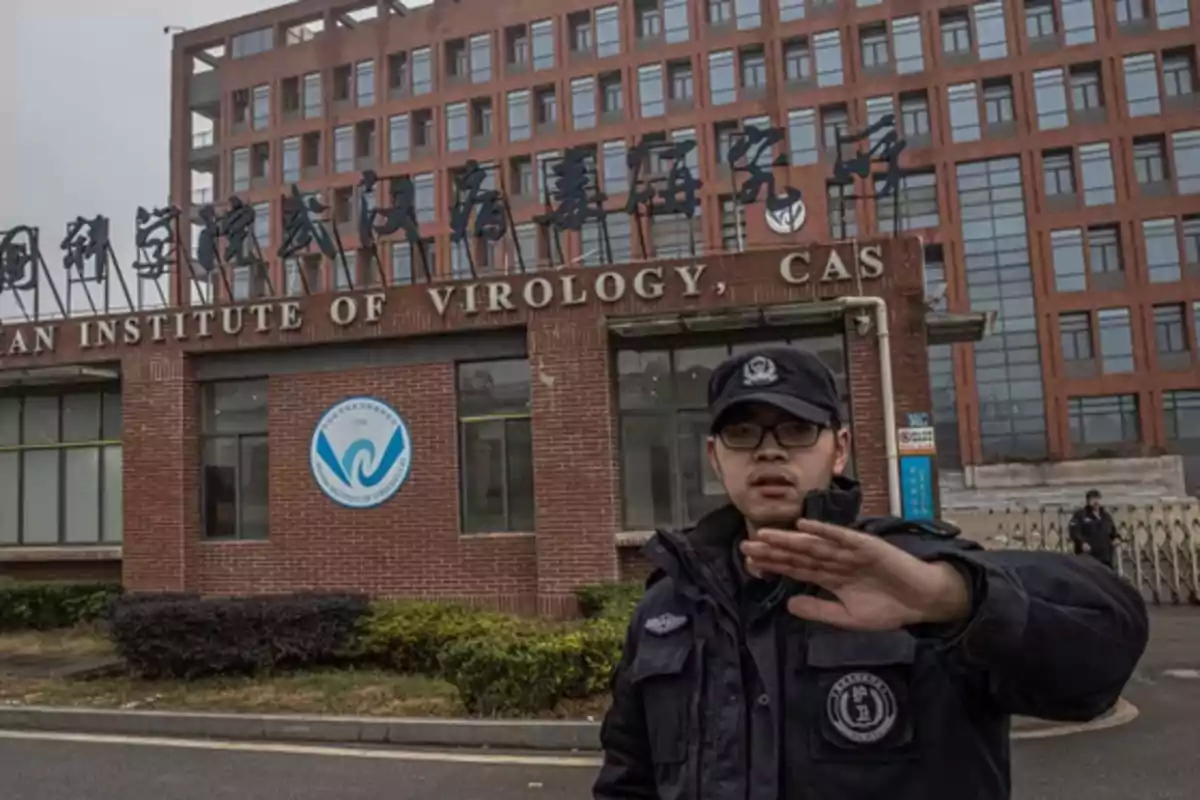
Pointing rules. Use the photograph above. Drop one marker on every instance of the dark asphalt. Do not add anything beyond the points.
(1152, 758)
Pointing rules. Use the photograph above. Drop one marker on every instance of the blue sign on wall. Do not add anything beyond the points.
(916, 486)
(361, 452)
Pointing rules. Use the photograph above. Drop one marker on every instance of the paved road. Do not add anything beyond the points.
(1153, 758)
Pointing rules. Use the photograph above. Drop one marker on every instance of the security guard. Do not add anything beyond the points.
(787, 648)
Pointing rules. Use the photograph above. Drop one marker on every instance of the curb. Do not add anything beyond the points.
(537, 735)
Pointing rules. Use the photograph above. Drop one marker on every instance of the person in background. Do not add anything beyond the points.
(1093, 531)
(788, 647)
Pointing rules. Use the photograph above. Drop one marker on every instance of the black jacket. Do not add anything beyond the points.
(722, 694)
(1098, 531)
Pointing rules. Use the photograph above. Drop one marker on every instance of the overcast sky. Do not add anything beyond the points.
(85, 110)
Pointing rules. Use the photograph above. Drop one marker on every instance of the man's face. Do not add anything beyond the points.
(1094, 501)
(768, 479)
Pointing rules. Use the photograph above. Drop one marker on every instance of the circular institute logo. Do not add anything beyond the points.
(862, 707)
(360, 452)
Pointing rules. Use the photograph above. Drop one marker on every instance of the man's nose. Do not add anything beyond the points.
(769, 449)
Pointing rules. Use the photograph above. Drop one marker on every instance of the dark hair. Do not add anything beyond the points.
(1093, 494)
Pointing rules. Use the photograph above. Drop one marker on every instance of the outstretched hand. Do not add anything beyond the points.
(878, 586)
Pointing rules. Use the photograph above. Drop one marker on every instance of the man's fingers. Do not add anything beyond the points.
(815, 609)
(832, 533)
(783, 544)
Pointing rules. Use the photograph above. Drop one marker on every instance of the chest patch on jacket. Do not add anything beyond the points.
(862, 707)
(665, 623)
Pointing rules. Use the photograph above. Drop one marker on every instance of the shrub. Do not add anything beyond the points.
(185, 637)
(409, 635)
(609, 599)
(43, 606)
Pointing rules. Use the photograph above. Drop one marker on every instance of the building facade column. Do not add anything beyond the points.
(576, 475)
(159, 405)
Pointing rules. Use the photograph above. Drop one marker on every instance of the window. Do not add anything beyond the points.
(1116, 340)
(291, 159)
(1191, 242)
(914, 115)
(545, 107)
(608, 32)
(877, 109)
(1186, 145)
(791, 10)
(1130, 11)
(675, 25)
(481, 58)
(542, 34)
(1104, 250)
(458, 135)
(364, 83)
(1170, 331)
(998, 103)
(843, 218)
(797, 62)
(312, 95)
(682, 85)
(61, 469)
(828, 49)
(989, 31)
(873, 43)
(906, 44)
(1141, 85)
(663, 422)
(407, 264)
(802, 136)
(720, 12)
(956, 33)
(748, 14)
(999, 277)
(1075, 336)
(722, 83)
(1149, 160)
(650, 91)
(1039, 19)
(583, 103)
(754, 70)
(241, 169)
(616, 168)
(1162, 250)
(262, 107)
(1058, 173)
(423, 198)
(520, 125)
(611, 98)
(1178, 74)
(1171, 14)
(1181, 410)
(1070, 269)
(964, 112)
(343, 149)
(252, 43)
(916, 198)
(1086, 91)
(1078, 22)
(399, 138)
(234, 463)
(1050, 92)
(1099, 421)
(1096, 169)
(422, 71)
(495, 446)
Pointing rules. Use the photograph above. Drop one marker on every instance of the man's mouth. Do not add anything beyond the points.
(773, 485)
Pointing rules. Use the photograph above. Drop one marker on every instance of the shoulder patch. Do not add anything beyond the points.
(664, 624)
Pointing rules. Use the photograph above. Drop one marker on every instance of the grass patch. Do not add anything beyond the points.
(83, 642)
(368, 693)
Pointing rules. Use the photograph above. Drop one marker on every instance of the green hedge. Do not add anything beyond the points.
(614, 600)
(44, 606)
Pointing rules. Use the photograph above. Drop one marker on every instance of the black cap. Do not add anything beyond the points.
(793, 380)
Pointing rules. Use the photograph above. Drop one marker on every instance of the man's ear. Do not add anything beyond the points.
(713, 461)
(841, 450)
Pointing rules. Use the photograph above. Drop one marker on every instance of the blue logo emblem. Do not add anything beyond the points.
(361, 452)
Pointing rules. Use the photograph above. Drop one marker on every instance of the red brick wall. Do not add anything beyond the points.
(411, 545)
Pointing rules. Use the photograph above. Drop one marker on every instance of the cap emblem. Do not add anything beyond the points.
(760, 371)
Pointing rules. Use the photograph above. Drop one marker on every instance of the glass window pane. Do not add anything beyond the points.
(483, 476)
(519, 474)
(41, 419)
(219, 486)
(113, 421)
(10, 497)
(253, 479)
(693, 366)
(702, 489)
(10, 421)
(236, 407)
(82, 498)
(644, 379)
(41, 497)
(114, 497)
(646, 472)
(494, 387)
(81, 417)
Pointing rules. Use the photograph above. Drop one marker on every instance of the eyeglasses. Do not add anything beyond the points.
(750, 435)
